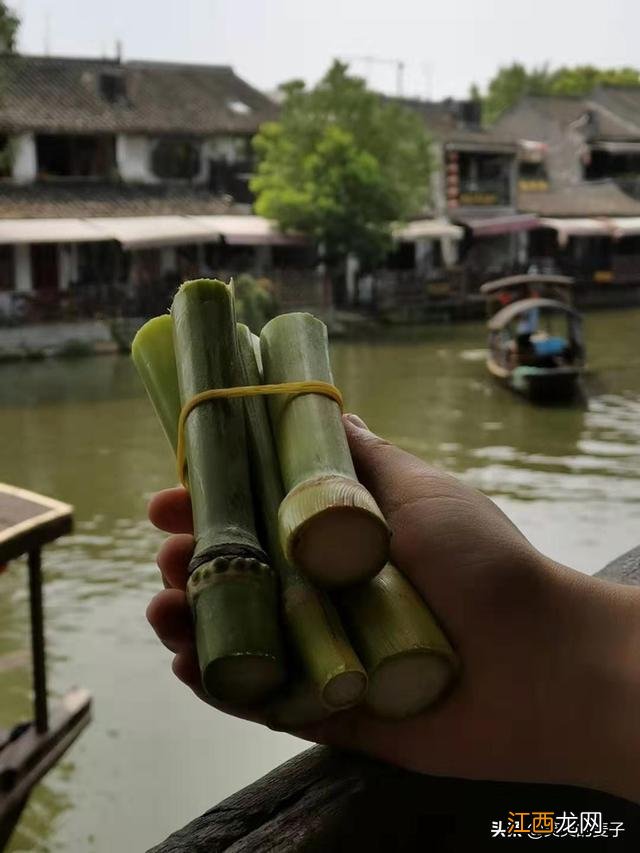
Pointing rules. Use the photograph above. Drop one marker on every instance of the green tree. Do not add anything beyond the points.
(9, 23)
(509, 85)
(515, 81)
(582, 79)
(341, 165)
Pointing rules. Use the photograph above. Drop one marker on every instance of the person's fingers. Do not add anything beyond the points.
(173, 559)
(169, 615)
(185, 668)
(170, 510)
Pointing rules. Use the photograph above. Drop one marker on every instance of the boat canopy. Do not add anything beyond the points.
(506, 315)
(531, 278)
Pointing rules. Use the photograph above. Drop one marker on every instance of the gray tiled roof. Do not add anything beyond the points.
(624, 103)
(605, 118)
(71, 200)
(594, 198)
(63, 95)
(446, 122)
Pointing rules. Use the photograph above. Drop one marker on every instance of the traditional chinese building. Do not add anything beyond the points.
(474, 219)
(119, 176)
(579, 172)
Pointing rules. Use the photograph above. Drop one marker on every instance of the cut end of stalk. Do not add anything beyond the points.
(408, 683)
(235, 609)
(332, 530)
(345, 690)
(242, 679)
(206, 286)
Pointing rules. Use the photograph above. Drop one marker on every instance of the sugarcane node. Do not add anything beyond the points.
(332, 530)
(225, 553)
(222, 570)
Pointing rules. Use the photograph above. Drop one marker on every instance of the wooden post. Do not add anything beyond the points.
(38, 653)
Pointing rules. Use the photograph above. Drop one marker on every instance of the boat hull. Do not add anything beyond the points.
(539, 384)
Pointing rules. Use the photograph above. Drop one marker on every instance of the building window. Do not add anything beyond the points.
(113, 88)
(68, 156)
(176, 159)
(478, 179)
(533, 177)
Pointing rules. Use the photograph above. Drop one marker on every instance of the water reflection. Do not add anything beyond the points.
(82, 431)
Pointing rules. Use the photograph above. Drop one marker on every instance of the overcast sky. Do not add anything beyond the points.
(445, 44)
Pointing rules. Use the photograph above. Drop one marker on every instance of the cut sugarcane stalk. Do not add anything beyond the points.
(232, 589)
(330, 526)
(326, 656)
(154, 357)
(409, 660)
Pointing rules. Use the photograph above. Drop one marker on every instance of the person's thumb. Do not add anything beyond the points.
(394, 477)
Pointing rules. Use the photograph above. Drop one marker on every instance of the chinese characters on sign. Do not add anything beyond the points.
(561, 825)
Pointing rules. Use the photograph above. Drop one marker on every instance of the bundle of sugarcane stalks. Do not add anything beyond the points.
(297, 611)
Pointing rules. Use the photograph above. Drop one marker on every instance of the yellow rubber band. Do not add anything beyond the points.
(293, 389)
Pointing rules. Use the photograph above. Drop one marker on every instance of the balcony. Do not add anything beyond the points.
(494, 192)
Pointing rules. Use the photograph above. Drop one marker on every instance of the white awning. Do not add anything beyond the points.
(148, 232)
(566, 228)
(248, 231)
(50, 231)
(428, 229)
(627, 226)
(629, 147)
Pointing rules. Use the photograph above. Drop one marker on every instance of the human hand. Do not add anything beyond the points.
(548, 690)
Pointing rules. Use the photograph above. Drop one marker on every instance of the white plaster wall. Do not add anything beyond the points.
(24, 167)
(133, 157)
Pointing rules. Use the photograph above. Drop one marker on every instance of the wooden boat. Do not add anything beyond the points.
(30, 748)
(536, 348)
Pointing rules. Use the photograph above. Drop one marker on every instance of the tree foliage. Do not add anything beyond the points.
(9, 23)
(341, 165)
(515, 81)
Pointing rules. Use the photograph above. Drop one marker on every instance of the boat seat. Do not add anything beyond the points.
(551, 346)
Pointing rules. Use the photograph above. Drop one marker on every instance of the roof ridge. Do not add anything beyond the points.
(110, 60)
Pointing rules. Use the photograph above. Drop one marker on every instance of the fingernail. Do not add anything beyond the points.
(356, 421)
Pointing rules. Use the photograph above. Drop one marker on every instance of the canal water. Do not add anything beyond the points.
(82, 431)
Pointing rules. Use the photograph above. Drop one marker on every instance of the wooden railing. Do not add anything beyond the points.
(324, 800)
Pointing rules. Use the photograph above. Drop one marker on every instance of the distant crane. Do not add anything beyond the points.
(370, 61)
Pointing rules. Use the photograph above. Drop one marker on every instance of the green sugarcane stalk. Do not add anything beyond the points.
(231, 588)
(408, 659)
(327, 658)
(155, 360)
(330, 526)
